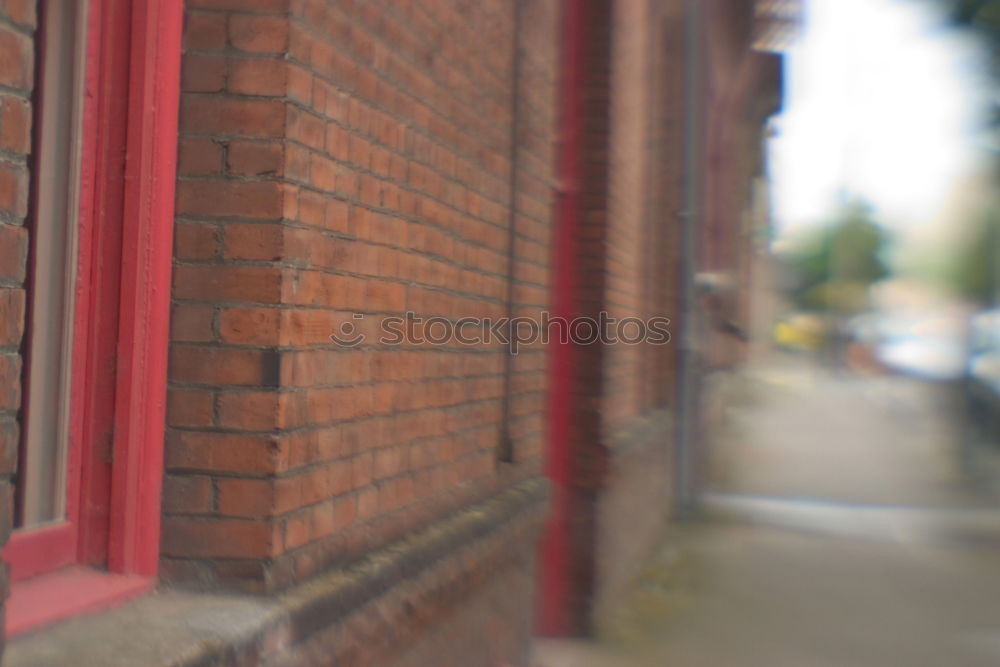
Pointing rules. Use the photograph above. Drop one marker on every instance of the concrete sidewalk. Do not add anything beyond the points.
(728, 595)
(794, 430)
(840, 530)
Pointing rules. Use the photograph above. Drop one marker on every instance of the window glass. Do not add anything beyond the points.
(58, 102)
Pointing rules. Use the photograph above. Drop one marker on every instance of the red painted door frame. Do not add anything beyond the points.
(118, 393)
(556, 555)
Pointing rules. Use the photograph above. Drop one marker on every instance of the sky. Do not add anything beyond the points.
(881, 103)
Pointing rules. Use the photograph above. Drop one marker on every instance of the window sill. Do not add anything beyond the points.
(176, 628)
(50, 597)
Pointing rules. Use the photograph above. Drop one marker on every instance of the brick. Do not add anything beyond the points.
(367, 503)
(230, 199)
(296, 163)
(223, 366)
(362, 467)
(323, 173)
(258, 76)
(339, 478)
(330, 405)
(255, 284)
(203, 74)
(318, 521)
(337, 215)
(254, 158)
(306, 368)
(217, 538)
(254, 241)
(232, 117)
(306, 327)
(249, 411)
(205, 32)
(300, 85)
(195, 241)
(259, 34)
(222, 452)
(190, 407)
(187, 494)
(9, 440)
(324, 289)
(246, 497)
(297, 531)
(359, 151)
(21, 12)
(16, 63)
(198, 157)
(13, 190)
(12, 314)
(250, 326)
(192, 324)
(338, 141)
(347, 183)
(312, 208)
(306, 128)
(395, 493)
(310, 486)
(10, 381)
(389, 462)
(385, 296)
(15, 125)
(13, 252)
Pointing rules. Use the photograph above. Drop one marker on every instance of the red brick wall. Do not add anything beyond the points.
(626, 265)
(472, 608)
(17, 25)
(626, 262)
(342, 158)
(630, 250)
(667, 189)
(742, 90)
(634, 498)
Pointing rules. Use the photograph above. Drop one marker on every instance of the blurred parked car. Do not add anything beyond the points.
(929, 347)
(982, 380)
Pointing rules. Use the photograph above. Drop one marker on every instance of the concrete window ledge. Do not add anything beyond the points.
(179, 629)
(160, 629)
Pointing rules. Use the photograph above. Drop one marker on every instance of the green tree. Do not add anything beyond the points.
(975, 273)
(839, 262)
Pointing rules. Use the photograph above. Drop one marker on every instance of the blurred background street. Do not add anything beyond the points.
(841, 527)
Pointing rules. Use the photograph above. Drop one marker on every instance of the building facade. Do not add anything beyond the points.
(289, 359)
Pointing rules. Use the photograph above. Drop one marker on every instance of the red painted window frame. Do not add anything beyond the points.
(108, 548)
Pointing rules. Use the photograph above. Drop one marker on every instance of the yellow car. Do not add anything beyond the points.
(800, 332)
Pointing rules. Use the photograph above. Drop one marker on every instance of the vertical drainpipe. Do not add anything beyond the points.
(555, 556)
(505, 453)
(685, 473)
